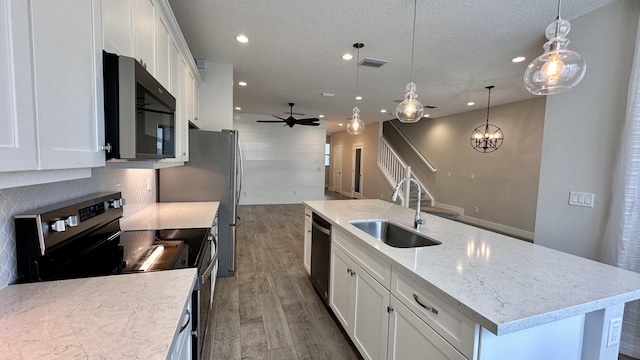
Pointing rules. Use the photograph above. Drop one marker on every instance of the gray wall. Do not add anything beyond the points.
(582, 132)
(374, 185)
(505, 183)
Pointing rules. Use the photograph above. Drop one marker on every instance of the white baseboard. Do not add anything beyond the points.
(346, 193)
(459, 210)
(498, 227)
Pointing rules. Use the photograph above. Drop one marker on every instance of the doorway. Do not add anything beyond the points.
(356, 171)
(337, 168)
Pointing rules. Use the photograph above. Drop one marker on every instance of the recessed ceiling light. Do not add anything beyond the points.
(321, 116)
(383, 111)
(426, 115)
(358, 97)
(470, 103)
(347, 56)
(242, 38)
(518, 59)
(238, 108)
(242, 83)
(340, 124)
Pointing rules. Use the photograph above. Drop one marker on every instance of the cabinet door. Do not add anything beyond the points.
(117, 25)
(144, 33)
(307, 240)
(196, 101)
(163, 47)
(190, 87)
(67, 63)
(182, 349)
(411, 338)
(17, 121)
(370, 325)
(341, 288)
(175, 87)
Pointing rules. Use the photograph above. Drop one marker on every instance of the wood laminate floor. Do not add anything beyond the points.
(269, 310)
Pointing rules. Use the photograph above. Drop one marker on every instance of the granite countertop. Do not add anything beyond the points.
(172, 215)
(130, 316)
(502, 283)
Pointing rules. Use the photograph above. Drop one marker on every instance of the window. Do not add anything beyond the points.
(327, 155)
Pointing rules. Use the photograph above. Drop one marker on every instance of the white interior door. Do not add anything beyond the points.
(337, 168)
(356, 171)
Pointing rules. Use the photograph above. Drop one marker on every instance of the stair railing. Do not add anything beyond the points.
(413, 148)
(394, 170)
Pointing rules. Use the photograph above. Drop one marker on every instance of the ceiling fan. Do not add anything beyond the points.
(291, 120)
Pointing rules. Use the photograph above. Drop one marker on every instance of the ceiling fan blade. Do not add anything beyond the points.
(309, 124)
(309, 119)
(269, 121)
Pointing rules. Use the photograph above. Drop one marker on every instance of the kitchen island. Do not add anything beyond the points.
(505, 298)
(131, 316)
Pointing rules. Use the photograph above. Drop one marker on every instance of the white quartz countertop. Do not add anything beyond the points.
(172, 215)
(502, 283)
(131, 316)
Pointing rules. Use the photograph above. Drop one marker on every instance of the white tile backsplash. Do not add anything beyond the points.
(131, 182)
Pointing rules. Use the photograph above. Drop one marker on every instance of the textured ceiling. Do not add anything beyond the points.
(295, 48)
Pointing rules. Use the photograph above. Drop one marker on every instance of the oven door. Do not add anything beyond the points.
(206, 266)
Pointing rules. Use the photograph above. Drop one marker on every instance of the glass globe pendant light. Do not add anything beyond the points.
(355, 126)
(558, 69)
(410, 110)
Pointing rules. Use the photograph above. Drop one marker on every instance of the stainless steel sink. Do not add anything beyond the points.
(392, 234)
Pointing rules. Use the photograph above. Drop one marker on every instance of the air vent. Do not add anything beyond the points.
(373, 62)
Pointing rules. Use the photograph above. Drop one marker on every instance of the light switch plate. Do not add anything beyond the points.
(581, 199)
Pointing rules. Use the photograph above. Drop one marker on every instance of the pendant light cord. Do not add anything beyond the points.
(559, 1)
(488, 107)
(357, 69)
(413, 38)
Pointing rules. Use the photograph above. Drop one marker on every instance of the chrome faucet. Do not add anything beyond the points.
(417, 221)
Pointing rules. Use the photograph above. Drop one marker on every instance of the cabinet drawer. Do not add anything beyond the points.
(307, 215)
(378, 269)
(456, 328)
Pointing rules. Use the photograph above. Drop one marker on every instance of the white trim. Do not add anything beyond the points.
(346, 193)
(459, 210)
(498, 227)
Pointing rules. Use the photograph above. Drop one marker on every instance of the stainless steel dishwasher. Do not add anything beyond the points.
(320, 256)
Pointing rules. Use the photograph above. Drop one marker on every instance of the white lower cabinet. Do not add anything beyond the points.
(182, 348)
(411, 338)
(400, 321)
(307, 240)
(360, 304)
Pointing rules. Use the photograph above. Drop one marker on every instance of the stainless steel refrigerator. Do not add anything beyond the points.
(213, 173)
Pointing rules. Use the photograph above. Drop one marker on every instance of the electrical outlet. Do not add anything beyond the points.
(294, 192)
(473, 176)
(477, 210)
(148, 184)
(615, 330)
(449, 174)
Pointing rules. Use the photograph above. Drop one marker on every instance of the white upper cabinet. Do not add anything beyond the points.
(163, 47)
(144, 20)
(117, 25)
(67, 70)
(18, 135)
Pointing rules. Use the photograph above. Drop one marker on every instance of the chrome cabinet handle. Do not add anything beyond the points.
(187, 324)
(429, 308)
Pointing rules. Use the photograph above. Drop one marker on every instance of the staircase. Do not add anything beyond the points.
(395, 169)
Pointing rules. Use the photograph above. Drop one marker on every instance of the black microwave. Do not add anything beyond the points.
(140, 118)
